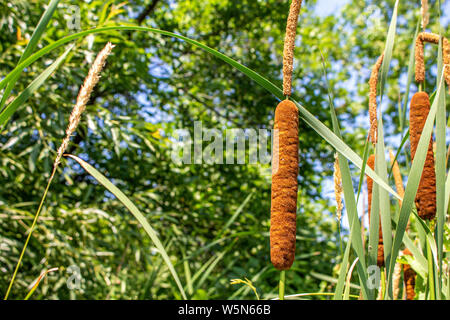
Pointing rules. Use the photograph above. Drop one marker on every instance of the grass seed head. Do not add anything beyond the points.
(373, 82)
(83, 97)
(338, 187)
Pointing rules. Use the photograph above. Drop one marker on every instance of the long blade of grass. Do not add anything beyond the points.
(440, 167)
(37, 82)
(35, 37)
(384, 199)
(136, 213)
(390, 40)
(309, 118)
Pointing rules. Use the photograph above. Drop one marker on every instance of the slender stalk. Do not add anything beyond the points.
(36, 217)
(430, 272)
(282, 284)
(383, 283)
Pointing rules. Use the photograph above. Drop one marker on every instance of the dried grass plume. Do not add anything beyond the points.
(373, 82)
(338, 187)
(289, 45)
(84, 94)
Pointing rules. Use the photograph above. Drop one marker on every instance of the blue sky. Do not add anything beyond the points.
(327, 7)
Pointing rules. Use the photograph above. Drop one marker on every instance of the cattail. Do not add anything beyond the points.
(373, 82)
(338, 187)
(380, 249)
(425, 14)
(83, 97)
(283, 221)
(283, 224)
(289, 45)
(426, 193)
(409, 276)
(419, 55)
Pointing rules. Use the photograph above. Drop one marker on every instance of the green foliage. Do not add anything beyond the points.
(209, 222)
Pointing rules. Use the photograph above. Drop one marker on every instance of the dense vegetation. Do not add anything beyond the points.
(153, 85)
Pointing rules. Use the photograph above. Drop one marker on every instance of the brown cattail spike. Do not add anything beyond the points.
(419, 55)
(409, 276)
(426, 193)
(373, 82)
(289, 45)
(283, 224)
(380, 254)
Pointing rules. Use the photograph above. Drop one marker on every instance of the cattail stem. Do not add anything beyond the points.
(383, 283)
(36, 217)
(430, 272)
(282, 284)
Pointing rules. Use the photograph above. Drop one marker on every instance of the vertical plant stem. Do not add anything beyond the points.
(36, 217)
(282, 284)
(430, 272)
(383, 283)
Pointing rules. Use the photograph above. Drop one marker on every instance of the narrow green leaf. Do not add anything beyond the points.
(384, 198)
(440, 166)
(136, 213)
(388, 50)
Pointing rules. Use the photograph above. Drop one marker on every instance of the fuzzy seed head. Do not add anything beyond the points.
(373, 82)
(83, 97)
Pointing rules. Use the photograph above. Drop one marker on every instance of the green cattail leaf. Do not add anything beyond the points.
(384, 198)
(440, 166)
(389, 47)
(35, 37)
(136, 213)
(419, 257)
